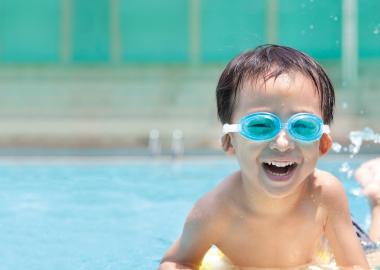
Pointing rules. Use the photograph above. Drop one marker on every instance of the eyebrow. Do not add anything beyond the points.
(266, 109)
(302, 111)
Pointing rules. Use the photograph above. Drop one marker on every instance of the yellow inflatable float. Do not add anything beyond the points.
(216, 260)
(323, 258)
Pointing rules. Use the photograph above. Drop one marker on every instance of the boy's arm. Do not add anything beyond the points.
(339, 230)
(199, 233)
(368, 176)
(374, 230)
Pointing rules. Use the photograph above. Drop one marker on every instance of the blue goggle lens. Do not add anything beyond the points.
(260, 127)
(303, 127)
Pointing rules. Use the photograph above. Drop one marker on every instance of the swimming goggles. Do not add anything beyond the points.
(265, 126)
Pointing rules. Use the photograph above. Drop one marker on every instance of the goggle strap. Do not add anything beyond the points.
(326, 129)
(227, 128)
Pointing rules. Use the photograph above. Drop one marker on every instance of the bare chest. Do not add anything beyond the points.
(284, 242)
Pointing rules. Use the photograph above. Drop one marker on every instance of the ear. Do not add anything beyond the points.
(325, 144)
(227, 145)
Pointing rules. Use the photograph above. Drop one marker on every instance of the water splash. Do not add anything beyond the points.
(357, 138)
(345, 168)
(356, 192)
(336, 147)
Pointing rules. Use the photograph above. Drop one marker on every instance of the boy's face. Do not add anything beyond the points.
(277, 167)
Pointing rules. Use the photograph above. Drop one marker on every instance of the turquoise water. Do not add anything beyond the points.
(108, 216)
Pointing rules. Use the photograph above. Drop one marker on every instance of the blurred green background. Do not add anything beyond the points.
(101, 74)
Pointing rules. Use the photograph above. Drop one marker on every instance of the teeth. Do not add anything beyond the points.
(280, 164)
(279, 174)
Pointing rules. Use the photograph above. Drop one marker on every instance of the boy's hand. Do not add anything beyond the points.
(172, 266)
(368, 175)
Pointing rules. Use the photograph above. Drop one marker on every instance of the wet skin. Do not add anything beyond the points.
(258, 219)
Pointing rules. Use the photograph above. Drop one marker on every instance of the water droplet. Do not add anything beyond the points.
(368, 134)
(356, 138)
(344, 105)
(335, 18)
(344, 167)
(376, 138)
(376, 30)
(336, 147)
(354, 149)
(311, 26)
(356, 192)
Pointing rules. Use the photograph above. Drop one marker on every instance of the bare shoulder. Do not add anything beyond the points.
(213, 207)
(204, 226)
(326, 180)
(330, 188)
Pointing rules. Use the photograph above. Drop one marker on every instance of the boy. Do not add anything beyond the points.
(275, 103)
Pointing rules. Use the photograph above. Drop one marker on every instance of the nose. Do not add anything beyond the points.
(282, 142)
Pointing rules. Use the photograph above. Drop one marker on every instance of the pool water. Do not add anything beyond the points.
(109, 215)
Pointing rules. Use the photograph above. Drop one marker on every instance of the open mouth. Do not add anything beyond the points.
(279, 171)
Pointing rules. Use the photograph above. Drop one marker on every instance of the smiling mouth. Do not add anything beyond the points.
(279, 171)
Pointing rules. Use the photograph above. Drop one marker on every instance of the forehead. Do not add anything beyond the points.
(288, 93)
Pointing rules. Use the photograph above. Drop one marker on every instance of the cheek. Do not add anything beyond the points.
(244, 148)
(311, 152)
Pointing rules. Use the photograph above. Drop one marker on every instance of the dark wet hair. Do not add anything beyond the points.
(270, 61)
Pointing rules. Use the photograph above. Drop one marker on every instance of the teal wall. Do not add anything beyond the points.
(369, 25)
(29, 30)
(91, 35)
(154, 31)
(311, 26)
(32, 31)
(229, 27)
